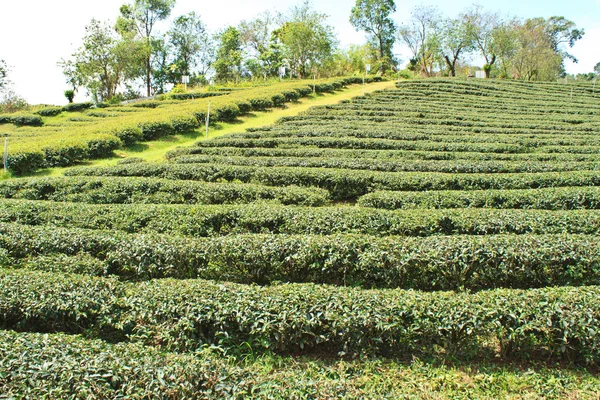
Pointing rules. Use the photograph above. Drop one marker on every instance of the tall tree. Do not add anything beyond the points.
(262, 49)
(421, 36)
(561, 31)
(142, 16)
(456, 40)
(191, 45)
(535, 58)
(104, 61)
(373, 17)
(228, 63)
(482, 26)
(3, 74)
(307, 39)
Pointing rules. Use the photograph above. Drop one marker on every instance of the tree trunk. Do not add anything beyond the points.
(148, 76)
(451, 65)
(381, 55)
(489, 69)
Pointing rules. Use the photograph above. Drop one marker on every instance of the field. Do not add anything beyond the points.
(435, 240)
(51, 136)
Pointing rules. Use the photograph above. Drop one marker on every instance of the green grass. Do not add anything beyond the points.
(154, 151)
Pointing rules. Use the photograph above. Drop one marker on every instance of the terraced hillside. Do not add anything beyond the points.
(438, 240)
(47, 137)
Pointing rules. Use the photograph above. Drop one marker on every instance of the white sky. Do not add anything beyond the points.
(36, 34)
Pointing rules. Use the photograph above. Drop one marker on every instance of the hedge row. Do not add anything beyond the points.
(39, 148)
(430, 263)
(382, 155)
(65, 154)
(155, 191)
(380, 144)
(100, 370)
(488, 167)
(197, 95)
(362, 129)
(66, 367)
(345, 184)
(210, 221)
(21, 119)
(564, 198)
(184, 315)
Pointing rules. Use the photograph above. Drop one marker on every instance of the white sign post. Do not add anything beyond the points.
(281, 72)
(367, 70)
(185, 79)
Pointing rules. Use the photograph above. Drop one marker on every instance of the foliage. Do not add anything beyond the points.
(373, 16)
(558, 322)
(307, 39)
(4, 70)
(228, 62)
(192, 46)
(104, 61)
(70, 95)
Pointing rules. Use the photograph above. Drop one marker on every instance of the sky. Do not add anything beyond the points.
(36, 34)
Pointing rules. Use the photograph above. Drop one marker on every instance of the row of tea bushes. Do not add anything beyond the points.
(429, 263)
(81, 138)
(185, 315)
(385, 155)
(63, 367)
(346, 184)
(563, 198)
(210, 221)
(488, 167)
(155, 191)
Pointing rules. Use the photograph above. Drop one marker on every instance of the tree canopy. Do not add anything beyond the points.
(373, 17)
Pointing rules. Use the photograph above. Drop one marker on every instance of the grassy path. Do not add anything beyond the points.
(155, 151)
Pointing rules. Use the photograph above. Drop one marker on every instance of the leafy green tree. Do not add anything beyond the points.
(561, 31)
(261, 48)
(373, 17)
(228, 63)
(70, 95)
(535, 58)
(142, 17)
(482, 26)
(306, 38)
(597, 69)
(191, 45)
(104, 61)
(3, 74)
(421, 35)
(456, 40)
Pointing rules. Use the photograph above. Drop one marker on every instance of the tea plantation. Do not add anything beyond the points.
(436, 240)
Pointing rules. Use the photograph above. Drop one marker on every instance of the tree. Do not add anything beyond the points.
(306, 38)
(104, 61)
(535, 58)
(597, 69)
(70, 95)
(142, 17)
(191, 45)
(228, 64)
(456, 40)
(3, 74)
(373, 17)
(261, 47)
(421, 36)
(562, 31)
(482, 25)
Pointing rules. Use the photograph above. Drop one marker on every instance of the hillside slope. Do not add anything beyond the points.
(437, 240)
